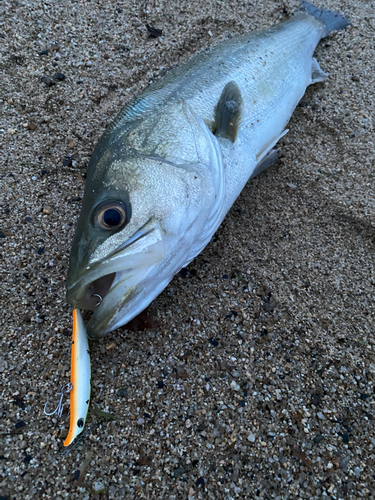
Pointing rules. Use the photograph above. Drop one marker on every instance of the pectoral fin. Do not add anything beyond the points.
(228, 112)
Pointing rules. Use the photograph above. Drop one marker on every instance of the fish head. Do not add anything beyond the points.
(139, 217)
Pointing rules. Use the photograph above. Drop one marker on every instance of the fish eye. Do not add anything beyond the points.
(80, 423)
(110, 215)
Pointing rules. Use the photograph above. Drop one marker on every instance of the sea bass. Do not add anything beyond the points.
(171, 164)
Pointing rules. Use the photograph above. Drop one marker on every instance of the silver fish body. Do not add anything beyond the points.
(165, 173)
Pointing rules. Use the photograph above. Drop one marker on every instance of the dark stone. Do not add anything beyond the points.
(345, 438)
(19, 402)
(67, 161)
(122, 393)
(20, 424)
(2, 235)
(59, 77)
(154, 32)
(242, 403)
(315, 399)
(183, 272)
(363, 396)
(75, 476)
(48, 80)
(27, 219)
(160, 384)
(200, 482)
(225, 276)
(40, 250)
(318, 439)
(213, 341)
(43, 53)
(178, 471)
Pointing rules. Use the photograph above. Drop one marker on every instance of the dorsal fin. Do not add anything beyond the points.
(228, 112)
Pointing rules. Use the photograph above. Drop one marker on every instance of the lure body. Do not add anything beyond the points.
(80, 378)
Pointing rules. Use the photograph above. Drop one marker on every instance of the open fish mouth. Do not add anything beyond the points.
(106, 286)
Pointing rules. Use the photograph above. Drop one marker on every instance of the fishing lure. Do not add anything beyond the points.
(80, 378)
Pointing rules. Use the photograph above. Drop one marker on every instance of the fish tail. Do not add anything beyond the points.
(331, 20)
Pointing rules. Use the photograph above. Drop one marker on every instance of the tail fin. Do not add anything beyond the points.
(331, 20)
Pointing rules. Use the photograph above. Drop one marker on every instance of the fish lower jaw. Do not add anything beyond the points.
(134, 300)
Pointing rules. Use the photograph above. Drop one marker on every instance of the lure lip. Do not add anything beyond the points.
(80, 379)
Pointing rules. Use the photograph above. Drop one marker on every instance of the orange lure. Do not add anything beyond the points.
(80, 379)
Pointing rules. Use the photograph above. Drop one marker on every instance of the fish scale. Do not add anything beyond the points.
(171, 169)
(272, 69)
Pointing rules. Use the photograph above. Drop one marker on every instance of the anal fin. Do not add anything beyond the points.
(317, 74)
(228, 112)
(270, 158)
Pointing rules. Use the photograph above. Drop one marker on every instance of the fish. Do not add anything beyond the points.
(80, 377)
(171, 164)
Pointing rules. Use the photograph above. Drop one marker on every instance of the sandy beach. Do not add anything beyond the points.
(257, 381)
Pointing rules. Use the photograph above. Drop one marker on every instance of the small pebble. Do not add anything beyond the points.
(251, 437)
(318, 439)
(59, 77)
(235, 386)
(47, 210)
(48, 80)
(345, 438)
(67, 161)
(98, 487)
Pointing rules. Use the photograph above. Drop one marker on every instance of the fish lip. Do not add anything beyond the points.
(131, 259)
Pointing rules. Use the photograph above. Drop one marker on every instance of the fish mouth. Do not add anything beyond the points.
(109, 287)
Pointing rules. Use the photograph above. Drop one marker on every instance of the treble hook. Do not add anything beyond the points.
(59, 409)
(100, 298)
